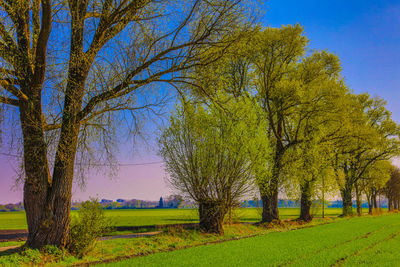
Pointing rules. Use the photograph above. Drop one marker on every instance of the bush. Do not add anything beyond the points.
(90, 224)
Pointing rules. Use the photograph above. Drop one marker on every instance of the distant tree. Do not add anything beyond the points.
(367, 136)
(392, 190)
(161, 203)
(374, 182)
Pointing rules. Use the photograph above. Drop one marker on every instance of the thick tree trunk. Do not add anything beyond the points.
(270, 207)
(305, 202)
(347, 200)
(358, 201)
(211, 215)
(37, 181)
(269, 194)
(48, 201)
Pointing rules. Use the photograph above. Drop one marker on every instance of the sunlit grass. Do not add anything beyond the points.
(143, 217)
(348, 242)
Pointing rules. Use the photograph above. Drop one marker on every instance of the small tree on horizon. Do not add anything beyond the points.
(161, 203)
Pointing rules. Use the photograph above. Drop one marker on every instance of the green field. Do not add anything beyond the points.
(139, 217)
(364, 241)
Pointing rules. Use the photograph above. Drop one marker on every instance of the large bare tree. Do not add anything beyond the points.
(68, 65)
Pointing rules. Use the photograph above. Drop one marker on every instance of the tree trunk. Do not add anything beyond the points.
(347, 200)
(269, 195)
(48, 208)
(374, 200)
(369, 197)
(390, 203)
(211, 215)
(270, 207)
(305, 202)
(48, 201)
(37, 181)
(358, 201)
(379, 202)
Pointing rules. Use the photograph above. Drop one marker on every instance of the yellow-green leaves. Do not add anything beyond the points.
(214, 151)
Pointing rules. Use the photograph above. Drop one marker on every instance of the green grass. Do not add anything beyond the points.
(365, 241)
(17, 220)
(13, 220)
(11, 243)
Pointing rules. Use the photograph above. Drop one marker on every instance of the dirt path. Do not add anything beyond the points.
(21, 235)
(13, 235)
(9, 247)
(131, 235)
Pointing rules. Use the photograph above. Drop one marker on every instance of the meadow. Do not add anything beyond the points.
(147, 217)
(364, 241)
(333, 241)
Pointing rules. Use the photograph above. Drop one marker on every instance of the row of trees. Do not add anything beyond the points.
(279, 118)
(77, 75)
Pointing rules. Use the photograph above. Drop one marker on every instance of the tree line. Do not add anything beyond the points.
(258, 108)
(276, 117)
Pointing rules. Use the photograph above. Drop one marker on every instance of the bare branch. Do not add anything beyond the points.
(9, 101)
(13, 90)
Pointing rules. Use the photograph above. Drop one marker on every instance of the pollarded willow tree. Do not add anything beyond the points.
(211, 154)
(67, 66)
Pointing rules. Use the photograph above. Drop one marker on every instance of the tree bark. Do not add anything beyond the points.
(211, 215)
(305, 202)
(374, 200)
(358, 201)
(270, 207)
(269, 196)
(369, 197)
(347, 200)
(37, 183)
(48, 213)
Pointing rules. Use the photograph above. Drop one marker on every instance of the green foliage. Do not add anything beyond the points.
(90, 224)
(209, 148)
(53, 251)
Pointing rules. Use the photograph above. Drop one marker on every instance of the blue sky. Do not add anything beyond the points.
(364, 34)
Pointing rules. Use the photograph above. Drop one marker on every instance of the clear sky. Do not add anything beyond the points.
(365, 34)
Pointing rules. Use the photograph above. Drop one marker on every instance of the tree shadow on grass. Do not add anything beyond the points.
(6, 251)
(183, 220)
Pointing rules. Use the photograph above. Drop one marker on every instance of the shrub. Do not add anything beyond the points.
(90, 224)
(53, 251)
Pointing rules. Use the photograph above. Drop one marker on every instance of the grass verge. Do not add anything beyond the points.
(170, 240)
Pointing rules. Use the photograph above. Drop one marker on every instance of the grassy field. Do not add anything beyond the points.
(365, 241)
(16, 220)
